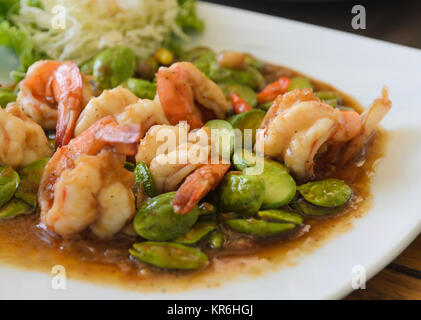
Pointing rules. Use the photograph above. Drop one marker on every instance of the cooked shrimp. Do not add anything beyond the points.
(180, 86)
(291, 113)
(21, 139)
(168, 171)
(157, 137)
(126, 107)
(172, 153)
(32, 95)
(298, 124)
(178, 158)
(370, 120)
(173, 159)
(197, 185)
(85, 183)
(51, 94)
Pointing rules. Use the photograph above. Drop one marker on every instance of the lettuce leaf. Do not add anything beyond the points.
(12, 37)
(188, 19)
(6, 6)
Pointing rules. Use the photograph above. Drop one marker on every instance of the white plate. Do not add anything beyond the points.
(356, 65)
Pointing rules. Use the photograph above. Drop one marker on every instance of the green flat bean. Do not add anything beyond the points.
(199, 231)
(265, 106)
(87, 67)
(156, 219)
(27, 191)
(280, 215)
(259, 228)
(202, 58)
(328, 96)
(9, 182)
(250, 76)
(223, 138)
(169, 255)
(113, 66)
(280, 186)
(253, 61)
(216, 240)
(144, 177)
(303, 207)
(299, 83)
(248, 120)
(242, 193)
(30, 177)
(326, 193)
(141, 88)
(6, 97)
(13, 209)
(245, 92)
(33, 171)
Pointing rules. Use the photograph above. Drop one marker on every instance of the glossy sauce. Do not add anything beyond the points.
(24, 244)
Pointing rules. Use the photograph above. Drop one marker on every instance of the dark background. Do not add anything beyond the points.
(394, 21)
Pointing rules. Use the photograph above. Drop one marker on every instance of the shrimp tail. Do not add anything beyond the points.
(105, 132)
(124, 138)
(67, 90)
(197, 185)
(370, 120)
(184, 92)
(66, 122)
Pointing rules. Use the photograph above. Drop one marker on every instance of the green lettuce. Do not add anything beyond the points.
(6, 6)
(12, 37)
(188, 19)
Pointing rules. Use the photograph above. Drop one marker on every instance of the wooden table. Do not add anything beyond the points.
(394, 21)
(399, 280)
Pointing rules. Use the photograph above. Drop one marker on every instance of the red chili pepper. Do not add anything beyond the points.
(274, 89)
(239, 104)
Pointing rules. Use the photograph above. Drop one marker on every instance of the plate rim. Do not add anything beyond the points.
(341, 290)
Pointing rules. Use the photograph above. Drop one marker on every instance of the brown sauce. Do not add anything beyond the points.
(24, 244)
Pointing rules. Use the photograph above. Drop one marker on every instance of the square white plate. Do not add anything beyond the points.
(356, 65)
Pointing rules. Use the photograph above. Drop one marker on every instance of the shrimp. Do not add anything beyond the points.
(197, 185)
(169, 176)
(172, 153)
(22, 141)
(51, 94)
(125, 106)
(180, 86)
(159, 139)
(85, 183)
(168, 169)
(298, 124)
(32, 95)
(178, 158)
(370, 120)
(180, 155)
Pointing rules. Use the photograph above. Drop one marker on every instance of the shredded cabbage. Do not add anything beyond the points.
(93, 25)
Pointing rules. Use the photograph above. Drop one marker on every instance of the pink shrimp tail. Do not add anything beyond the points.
(177, 98)
(197, 185)
(105, 132)
(67, 91)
